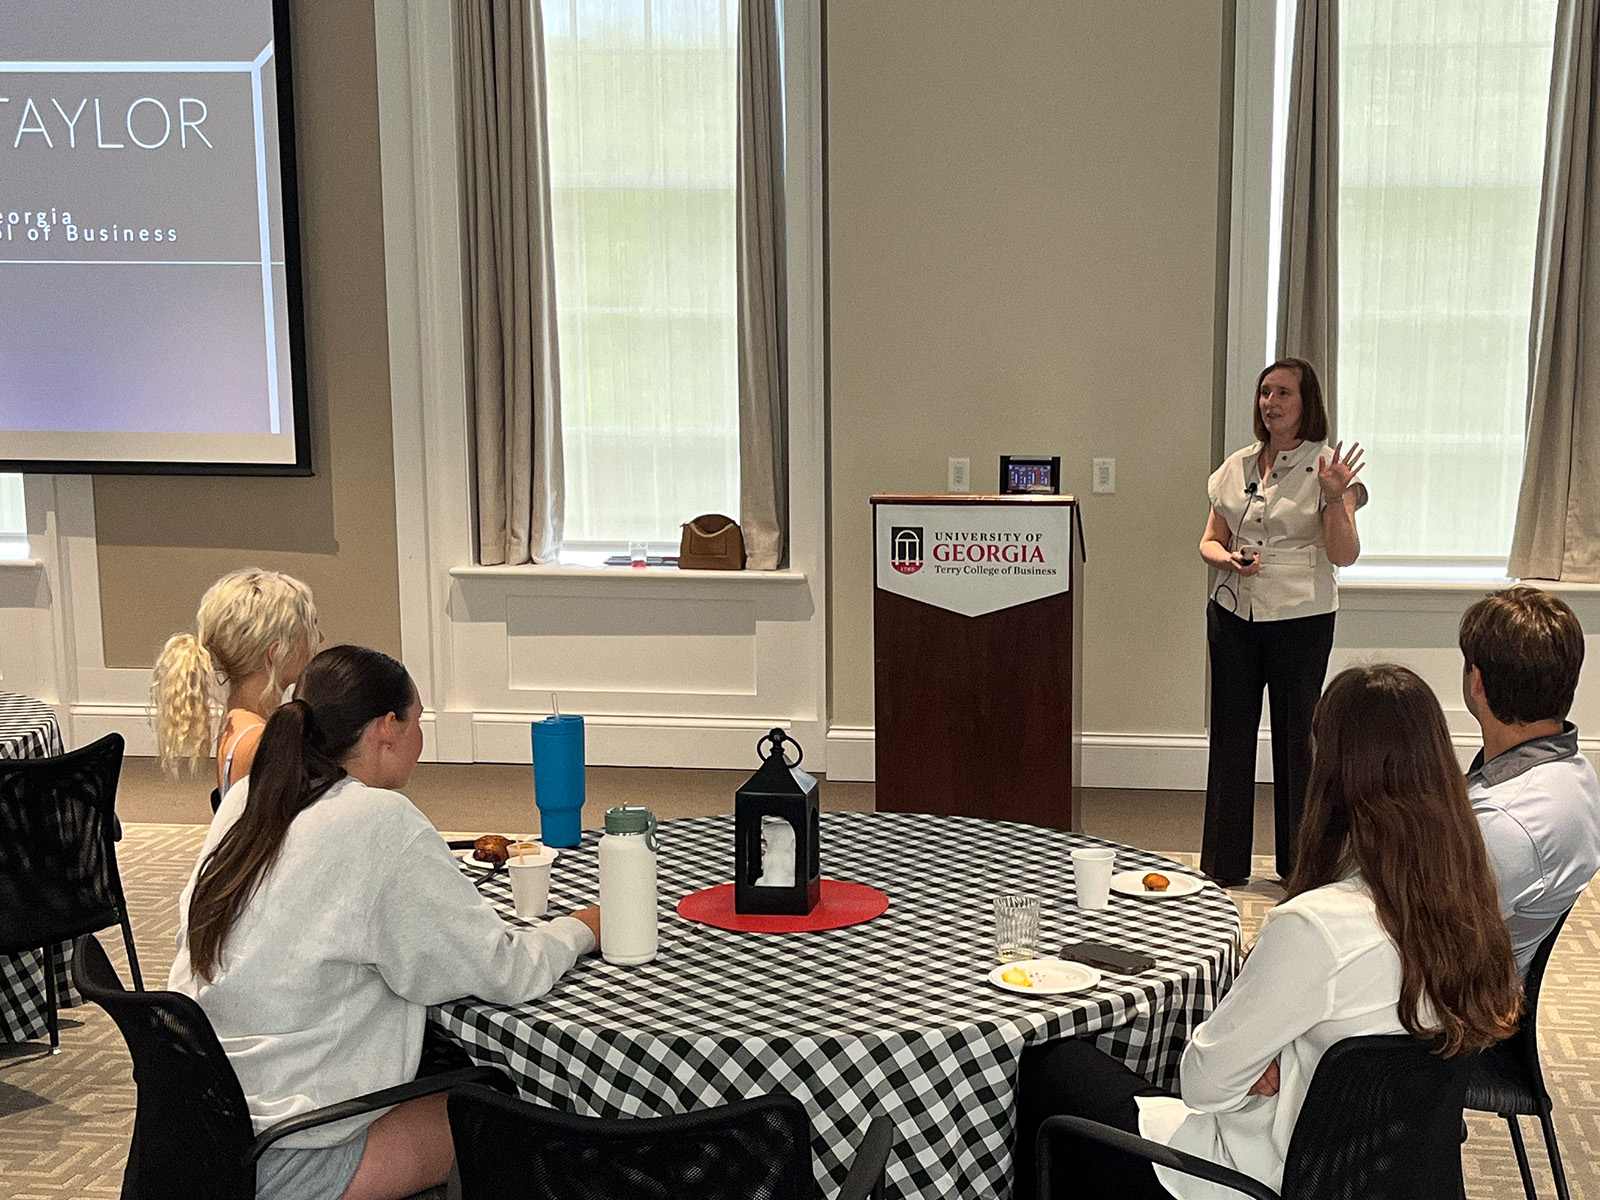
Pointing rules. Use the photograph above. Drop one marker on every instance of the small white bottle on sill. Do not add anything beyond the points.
(628, 887)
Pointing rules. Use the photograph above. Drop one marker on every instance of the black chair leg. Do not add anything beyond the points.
(1549, 1126)
(133, 958)
(50, 999)
(1522, 1156)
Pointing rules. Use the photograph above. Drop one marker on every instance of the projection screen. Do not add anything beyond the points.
(150, 315)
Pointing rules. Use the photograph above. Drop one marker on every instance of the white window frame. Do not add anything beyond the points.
(447, 601)
(1262, 37)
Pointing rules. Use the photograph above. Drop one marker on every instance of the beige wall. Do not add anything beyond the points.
(163, 540)
(1023, 256)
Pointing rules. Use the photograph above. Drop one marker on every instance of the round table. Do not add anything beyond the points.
(28, 729)
(894, 1016)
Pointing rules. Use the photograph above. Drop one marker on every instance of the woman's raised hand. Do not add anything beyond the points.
(1337, 476)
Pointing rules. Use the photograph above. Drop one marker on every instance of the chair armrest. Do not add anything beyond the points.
(427, 1085)
(872, 1158)
(1155, 1152)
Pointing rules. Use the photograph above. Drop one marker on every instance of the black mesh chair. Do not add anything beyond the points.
(756, 1149)
(58, 855)
(1508, 1079)
(192, 1136)
(1381, 1121)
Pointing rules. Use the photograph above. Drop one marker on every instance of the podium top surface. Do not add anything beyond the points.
(1069, 498)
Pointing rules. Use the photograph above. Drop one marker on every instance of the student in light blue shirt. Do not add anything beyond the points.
(1536, 797)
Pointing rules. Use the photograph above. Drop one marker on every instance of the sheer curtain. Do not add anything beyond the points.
(1442, 121)
(13, 519)
(643, 144)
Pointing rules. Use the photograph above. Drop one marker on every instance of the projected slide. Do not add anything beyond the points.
(148, 305)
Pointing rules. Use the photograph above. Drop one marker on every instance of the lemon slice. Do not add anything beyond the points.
(1017, 976)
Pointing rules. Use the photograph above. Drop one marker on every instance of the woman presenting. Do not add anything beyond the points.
(1283, 515)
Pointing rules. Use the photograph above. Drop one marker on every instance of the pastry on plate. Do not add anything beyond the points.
(1156, 883)
(491, 848)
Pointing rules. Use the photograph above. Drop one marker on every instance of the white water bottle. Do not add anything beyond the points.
(628, 887)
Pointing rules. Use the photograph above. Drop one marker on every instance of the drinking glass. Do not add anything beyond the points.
(1016, 927)
(638, 554)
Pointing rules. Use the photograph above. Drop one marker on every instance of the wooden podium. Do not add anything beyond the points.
(977, 649)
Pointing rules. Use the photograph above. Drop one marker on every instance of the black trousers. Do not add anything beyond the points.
(1290, 659)
(1075, 1078)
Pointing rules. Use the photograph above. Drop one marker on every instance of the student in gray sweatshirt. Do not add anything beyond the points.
(325, 914)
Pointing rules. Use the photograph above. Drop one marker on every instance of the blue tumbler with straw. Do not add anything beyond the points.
(558, 778)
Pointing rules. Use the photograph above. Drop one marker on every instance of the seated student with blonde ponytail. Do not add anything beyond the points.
(255, 632)
(1392, 925)
(323, 918)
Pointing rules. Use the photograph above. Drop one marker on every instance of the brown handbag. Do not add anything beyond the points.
(711, 543)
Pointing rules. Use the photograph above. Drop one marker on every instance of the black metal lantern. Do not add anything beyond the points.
(777, 822)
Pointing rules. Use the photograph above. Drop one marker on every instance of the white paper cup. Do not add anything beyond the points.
(1091, 876)
(530, 883)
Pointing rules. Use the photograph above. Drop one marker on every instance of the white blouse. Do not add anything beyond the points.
(1281, 518)
(1322, 970)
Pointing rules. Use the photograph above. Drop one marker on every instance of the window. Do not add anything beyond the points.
(643, 144)
(1441, 156)
(13, 519)
(1442, 122)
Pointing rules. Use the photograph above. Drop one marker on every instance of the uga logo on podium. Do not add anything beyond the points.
(905, 553)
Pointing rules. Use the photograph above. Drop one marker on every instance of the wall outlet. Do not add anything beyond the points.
(1105, 476)
(960, 480)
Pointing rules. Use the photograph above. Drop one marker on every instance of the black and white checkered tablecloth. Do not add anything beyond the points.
(895, 1016)
(28, 729)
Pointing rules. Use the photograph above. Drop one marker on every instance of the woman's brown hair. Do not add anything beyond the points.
(1387, 799)
(1313, 410)
(343, 690)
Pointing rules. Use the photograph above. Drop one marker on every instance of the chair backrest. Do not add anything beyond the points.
(509, 1149)
(192, 1133)
(1381, 1121)
(1523, 1045)
(58, 859)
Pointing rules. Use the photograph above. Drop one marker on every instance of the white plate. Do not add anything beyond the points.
(1131, 883)
(1050, 976)
(466, 855)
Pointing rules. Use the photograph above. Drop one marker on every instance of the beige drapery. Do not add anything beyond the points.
(513, 374)
(1558, 509)
(763, 309)
(1308, 274)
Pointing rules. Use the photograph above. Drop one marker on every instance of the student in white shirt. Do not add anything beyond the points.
(1391, 926)
(325, 915)
(1536, 798)
(1283, 515)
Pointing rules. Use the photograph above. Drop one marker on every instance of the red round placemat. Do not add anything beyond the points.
(842, 904)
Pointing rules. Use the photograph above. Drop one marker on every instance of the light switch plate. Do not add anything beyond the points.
(960, 480)
(1105, 476)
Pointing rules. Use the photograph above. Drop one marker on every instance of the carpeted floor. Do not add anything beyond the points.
(65, 1119)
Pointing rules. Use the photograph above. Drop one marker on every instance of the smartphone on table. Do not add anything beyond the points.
(1107, 958)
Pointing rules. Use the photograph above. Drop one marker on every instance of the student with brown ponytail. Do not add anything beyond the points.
(326, 914)
(1392, 925)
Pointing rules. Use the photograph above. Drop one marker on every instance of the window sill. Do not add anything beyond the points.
(1450, 596)
(628, 576)
(21, 564)
(786, 589)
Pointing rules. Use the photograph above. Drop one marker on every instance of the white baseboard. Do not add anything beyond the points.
(1168, 762)
(649, 741)
(610, 741)
(92, 721)
(850, 754)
